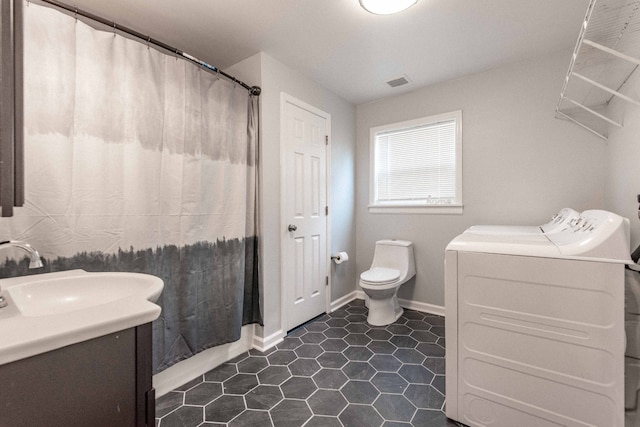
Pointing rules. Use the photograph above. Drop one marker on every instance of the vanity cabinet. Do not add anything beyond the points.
(105, 381)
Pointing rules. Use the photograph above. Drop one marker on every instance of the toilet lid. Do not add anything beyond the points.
(380, 275)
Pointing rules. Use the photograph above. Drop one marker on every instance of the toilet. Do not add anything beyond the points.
(393, 264)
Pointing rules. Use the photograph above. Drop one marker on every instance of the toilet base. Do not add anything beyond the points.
(384, 311)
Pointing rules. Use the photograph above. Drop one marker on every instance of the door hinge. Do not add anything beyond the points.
(326, 140)
(326, 210)
(326, 280)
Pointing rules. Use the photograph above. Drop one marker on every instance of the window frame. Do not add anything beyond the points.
(421, 206)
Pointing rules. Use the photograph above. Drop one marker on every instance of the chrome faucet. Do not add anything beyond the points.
(34, 256)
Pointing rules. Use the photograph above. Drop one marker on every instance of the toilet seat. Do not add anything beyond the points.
(380, 276)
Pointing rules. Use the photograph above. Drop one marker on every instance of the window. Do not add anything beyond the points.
(416, 166)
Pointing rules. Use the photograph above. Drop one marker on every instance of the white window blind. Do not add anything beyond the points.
(417, 164)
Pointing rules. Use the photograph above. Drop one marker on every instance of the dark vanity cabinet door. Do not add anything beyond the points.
(105, 381)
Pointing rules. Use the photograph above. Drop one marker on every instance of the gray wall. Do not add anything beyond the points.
(520, 165)
(275, 78)
(623, 157)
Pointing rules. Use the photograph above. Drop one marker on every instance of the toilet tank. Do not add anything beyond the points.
(396, 254)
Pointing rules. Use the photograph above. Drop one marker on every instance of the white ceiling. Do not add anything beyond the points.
(350, 51)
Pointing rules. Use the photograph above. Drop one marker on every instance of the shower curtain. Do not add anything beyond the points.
(140, 161)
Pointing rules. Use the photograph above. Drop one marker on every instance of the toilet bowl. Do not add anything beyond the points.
(393, 264)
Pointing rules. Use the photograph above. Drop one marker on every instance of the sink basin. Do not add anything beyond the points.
(48, 311)
(45, 295)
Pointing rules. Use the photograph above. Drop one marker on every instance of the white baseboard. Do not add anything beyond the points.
(263, 344)
(413, 305)
(343, 300)
(186, 370)
(422, 306)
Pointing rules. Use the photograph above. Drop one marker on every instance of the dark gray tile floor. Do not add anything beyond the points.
(336, 370)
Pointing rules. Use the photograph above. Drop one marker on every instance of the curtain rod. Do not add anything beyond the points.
(253, 90)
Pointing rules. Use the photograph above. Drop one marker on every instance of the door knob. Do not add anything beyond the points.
(292, 227)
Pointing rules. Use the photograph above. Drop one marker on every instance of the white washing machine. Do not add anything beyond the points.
(535, 325)
(558, 221)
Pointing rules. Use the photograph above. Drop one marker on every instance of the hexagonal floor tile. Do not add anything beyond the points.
(290, 343)
(240, 384)
(424, 336)
(389, 382)
(323, 421)
(358, 353)
(431, 350)
(330, 378)
(332, 360)
(439, 383)
(418, 325)
(403, 341)
(337, 321)
(438, 330)
(334, 344)
(424, 396)
(313, 337)
(281, 357)
(385, 362)
(251, 418)
(335, 332)
(184, 416)
(396, 329)
(327, 402)
(290, 413)
(381, 347)
(437, 365)
(304, 367)
(413, 315)
(263, 397)
(274, 375)
(309, 350)
(394, 407)
(224, 408)
(359, 371)
(298, 387)
(341, 313)
(409, 355)
(434, 418)
(221, 373)
(168, 403)
(203, 393)
(316, 326)
(360, 415)
(417, 374)
(379, 334)
(434, 320)
(356, 318)
(359, 392)
(358, 309)
(252, 365)
(357, 328)
(357, 339)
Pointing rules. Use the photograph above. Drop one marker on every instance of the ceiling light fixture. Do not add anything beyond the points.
(386, 7)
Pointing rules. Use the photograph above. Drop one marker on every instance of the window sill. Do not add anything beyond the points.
(417, 209)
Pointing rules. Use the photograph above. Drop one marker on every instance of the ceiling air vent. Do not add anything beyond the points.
(400, 81)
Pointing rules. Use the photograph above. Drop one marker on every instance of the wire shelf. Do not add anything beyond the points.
(605, 56)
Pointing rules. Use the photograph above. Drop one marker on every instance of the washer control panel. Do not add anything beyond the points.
(595, 233)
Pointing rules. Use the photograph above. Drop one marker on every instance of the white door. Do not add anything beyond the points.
(304, 267)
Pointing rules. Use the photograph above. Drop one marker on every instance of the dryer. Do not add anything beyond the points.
(535, 325)
(558, 221)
